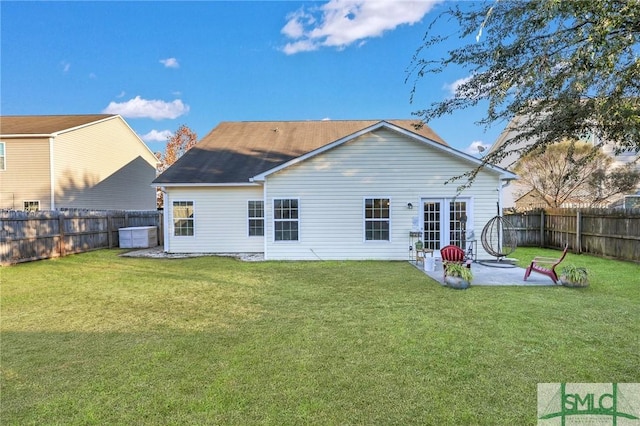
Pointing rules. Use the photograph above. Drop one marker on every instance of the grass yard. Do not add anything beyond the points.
(100, 339)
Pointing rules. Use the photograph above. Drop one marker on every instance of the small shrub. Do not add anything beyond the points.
(454, 269)
(574, 276)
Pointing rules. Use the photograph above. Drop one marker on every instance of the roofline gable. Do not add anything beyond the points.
(507, 175)
(81, 126)
(71, 129)
(59, 131)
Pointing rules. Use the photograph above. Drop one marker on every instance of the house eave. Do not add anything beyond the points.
(91, 123)
(27, 135)
(504, 174)
(202, 184)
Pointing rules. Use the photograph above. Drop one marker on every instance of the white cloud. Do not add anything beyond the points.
(454, 88)
(465, 88)
(340, 23)
(143, 108)
(66, 66)
(476, 148)
(170, 63)
(157, 136)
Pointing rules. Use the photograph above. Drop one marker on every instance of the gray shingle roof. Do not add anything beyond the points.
(44, 124)
(234, 152)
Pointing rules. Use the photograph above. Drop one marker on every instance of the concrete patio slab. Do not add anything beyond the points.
(491, 274)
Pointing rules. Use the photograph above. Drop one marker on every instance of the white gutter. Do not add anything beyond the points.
(195, 185)
(265, 208)
(165, 218)
(52, 177)
(26, 135)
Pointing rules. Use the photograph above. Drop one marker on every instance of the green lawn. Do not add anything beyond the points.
(100, 339)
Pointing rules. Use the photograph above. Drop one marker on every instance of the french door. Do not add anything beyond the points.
(444, 222)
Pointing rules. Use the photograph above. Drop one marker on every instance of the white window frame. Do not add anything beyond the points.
(365, 219)
(36, 202)
(444, 223)
(192, 219)
(256, 218)
(296, 220)
(3, 156)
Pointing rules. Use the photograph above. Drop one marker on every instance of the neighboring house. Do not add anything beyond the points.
(74, 161)
(312, 190)
(520, 196)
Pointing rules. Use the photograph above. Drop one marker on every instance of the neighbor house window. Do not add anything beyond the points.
(256, 218)
(3, 163)
(183, 218)
(376, 219)
(31, 206)
(285, 219)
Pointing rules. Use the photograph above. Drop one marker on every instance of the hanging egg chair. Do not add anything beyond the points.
(499, 237)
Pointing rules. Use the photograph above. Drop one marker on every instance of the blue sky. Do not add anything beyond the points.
(163, 64)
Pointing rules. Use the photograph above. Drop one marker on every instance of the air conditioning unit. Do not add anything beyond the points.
(138, 237)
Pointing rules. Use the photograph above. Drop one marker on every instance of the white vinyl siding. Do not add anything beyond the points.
(220, 220)
(334, 184)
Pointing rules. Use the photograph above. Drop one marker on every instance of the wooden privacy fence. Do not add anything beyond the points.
(603, 232)
(26, 236)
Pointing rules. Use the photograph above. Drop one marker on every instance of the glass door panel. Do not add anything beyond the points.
(432, 224)
(444, 222)
(458, 223)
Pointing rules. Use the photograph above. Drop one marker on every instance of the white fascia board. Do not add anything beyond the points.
(27, 135)
(52, 174)
(504, 174)
(60, 132)
(202, 185)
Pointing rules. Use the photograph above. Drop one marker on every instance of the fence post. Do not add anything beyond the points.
(578, 247)
(62, 245)
(109, 229)
(541, 228)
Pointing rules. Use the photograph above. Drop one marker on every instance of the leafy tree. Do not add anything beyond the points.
(576, 172)
(568, 68)
(177, 144)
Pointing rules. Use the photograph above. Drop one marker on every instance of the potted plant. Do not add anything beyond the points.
(574, 276)
(457, 275)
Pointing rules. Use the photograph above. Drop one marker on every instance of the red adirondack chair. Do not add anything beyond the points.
(453, 254)
(546, 266)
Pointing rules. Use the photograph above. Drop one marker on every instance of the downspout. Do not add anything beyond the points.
(165, 219)
(265, 208)
(264, 203)
(52, 176)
